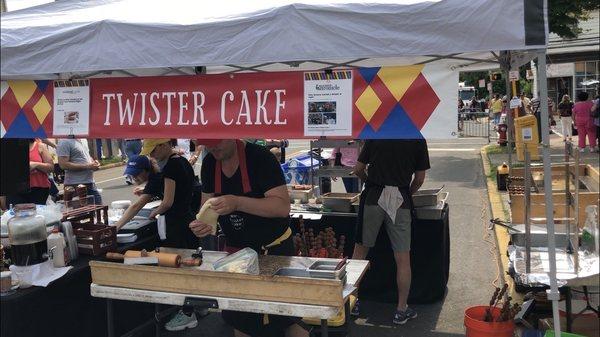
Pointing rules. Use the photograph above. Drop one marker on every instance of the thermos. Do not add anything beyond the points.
(501, 176)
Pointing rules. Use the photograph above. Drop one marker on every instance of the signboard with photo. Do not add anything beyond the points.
(71, 108)
(328, 103)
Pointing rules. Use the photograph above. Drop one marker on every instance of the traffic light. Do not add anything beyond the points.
(496, 76)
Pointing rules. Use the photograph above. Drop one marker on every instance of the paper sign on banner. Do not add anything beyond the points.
(513, 75)
(515, 103)
(482, 83)
(527, 134)
(328, 103)
(71, 108)
(529, 74)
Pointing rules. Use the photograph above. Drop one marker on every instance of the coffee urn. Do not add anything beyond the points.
(27, 236)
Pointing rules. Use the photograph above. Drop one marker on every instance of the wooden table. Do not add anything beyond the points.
(355, 271)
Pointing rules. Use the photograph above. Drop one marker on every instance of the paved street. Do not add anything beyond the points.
(455, 164)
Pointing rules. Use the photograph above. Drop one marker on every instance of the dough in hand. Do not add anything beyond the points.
(208, 216)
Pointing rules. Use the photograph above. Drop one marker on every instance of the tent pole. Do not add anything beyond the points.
(505, 66)
(553, 293)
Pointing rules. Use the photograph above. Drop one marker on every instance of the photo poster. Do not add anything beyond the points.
(328, 103)
(71, 108)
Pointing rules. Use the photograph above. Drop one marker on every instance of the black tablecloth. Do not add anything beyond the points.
(66, 308)
(430, 258)
(430, 264)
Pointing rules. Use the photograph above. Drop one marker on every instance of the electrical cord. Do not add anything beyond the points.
(490, 240)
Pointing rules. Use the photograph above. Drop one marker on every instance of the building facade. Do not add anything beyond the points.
(574, 64)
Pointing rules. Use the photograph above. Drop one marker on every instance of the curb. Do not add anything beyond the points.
(501, 234)
(109, 166)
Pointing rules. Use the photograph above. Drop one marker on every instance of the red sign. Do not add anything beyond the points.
(213, 106)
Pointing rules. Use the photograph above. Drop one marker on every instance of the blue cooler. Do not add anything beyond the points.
(297, 169)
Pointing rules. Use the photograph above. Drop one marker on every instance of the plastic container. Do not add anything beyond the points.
(70, 239)
(476, 327)
(58, 248)
(243, 261)
(27, 235)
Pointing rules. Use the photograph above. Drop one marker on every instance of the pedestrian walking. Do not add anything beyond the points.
(596, 117)
(496, 106)
(582, 116)
(132, 148)
(346, 157)
(537, 112)
(565, 110)
(40, 165)
(74, 157)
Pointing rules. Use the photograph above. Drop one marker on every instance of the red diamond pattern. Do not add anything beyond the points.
(388, 101)
(9, 108)
(358, 120)
(419, 101)
(28, 109)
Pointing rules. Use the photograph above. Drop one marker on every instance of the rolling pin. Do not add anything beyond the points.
(164, 259)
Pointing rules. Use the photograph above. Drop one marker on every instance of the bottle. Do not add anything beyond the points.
(58, 247)
(501, 175)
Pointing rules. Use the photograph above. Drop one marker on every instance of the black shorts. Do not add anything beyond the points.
(254, 324)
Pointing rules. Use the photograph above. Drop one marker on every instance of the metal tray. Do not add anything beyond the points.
(539, 235)
(429, 197)
(302, 195)
(339, 202)
(433, 212)
(326, 269)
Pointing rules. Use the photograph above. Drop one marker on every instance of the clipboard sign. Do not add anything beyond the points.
(71, 108)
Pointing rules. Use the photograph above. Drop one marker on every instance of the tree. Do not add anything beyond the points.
(564, 15)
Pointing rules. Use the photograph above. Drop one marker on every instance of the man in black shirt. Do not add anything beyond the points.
(392, 171)
(245, 185)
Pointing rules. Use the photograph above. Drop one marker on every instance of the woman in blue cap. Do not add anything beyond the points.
(142, 169)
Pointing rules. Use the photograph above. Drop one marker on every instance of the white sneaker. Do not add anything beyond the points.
(181, 321)
(582, 150)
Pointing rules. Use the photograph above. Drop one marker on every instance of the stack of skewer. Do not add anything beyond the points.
(324, 244)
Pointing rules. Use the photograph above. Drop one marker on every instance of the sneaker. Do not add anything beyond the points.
(181, 321)
(356, 310)
(402, 317)
(582, 150)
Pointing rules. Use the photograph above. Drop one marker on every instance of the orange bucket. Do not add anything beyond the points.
(476, 327)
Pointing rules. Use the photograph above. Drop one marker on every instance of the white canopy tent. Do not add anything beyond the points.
(100, 38)
(75, 36)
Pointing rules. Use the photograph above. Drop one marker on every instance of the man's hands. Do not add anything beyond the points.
(225, 204)
(193, 159)
(95, 165)
(153, 214)
(200, 229)
(138, 190)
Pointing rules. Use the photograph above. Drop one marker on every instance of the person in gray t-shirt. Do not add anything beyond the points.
(75, 159)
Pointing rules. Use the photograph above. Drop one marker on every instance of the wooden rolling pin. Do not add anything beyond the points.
(164, 259)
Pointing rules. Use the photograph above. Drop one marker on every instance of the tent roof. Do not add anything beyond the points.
(87, 36)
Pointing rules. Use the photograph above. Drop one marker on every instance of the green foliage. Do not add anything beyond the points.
(472, 79)
(112, 160)
(564, 15)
